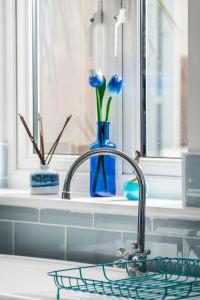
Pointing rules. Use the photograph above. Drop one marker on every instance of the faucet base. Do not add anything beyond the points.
(65, 195)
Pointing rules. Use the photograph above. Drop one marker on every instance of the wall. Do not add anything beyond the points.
(93, 238)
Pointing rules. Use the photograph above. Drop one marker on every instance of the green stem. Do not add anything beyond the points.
(104, 172)
(108, 108)
(100, 160)
(100, 101)
(98, 106)
(96, 175)
(99, 111)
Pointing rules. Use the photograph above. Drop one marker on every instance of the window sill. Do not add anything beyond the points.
(115, 205)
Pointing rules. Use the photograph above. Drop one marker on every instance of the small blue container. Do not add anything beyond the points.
(44, 181)
(131, 190)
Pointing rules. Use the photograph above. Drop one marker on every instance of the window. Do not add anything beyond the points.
(57, 55)
(164, 75)
(61, 71)
(62, 59)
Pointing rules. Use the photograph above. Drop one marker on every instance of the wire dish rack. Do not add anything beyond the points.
(164, 278)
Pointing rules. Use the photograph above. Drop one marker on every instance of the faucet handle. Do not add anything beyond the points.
(147, 252)
(134, 246)
(123, 252)
(120, 262)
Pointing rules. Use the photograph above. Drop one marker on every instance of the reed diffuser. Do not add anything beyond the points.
(45, 180)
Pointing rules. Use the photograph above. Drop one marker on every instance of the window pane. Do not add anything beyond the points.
(165, 71)
(62, 71)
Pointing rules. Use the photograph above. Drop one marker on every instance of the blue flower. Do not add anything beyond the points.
(115, 84)
(96, 78)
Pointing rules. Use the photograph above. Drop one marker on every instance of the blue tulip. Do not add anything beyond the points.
(96, 78)
(115, 84)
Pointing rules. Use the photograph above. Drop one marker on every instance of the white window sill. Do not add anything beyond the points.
(115, 205)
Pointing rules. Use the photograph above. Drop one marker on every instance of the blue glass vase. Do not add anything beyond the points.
(103, 168)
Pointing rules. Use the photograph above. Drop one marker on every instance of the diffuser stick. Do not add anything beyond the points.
(53, 148)
(41, 136)
(32, 140)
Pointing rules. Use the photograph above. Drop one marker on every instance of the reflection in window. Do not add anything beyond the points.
(62, 72)
(165, 71)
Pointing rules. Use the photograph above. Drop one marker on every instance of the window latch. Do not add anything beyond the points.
(120, 18)
(96, 19)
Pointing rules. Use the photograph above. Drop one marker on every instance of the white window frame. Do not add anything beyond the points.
(162, 175)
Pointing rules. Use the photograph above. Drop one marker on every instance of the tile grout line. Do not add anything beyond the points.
(152, 225)
(39, 218)
(68, 225)
(13, 238)
(122, 237)
(93, 220)
(100, 229)
(184, 248)
(65, 242)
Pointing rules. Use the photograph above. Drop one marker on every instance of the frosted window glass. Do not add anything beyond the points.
(63, 64)
(165, 53)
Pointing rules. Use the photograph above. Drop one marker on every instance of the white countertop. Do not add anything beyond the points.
(26, 278)
(113, 205)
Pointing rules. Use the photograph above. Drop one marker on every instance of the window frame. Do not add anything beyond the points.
(163, 175)
(165, 172)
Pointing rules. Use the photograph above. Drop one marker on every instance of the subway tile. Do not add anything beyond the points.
(192, 171)
(119, 222)
(193, 201)
(177, 227)
(6, 240)
(39, 241)
(18, 213)
(92, 246)
(55, 216)
(160, 245)
(192, 183)
(192, 248)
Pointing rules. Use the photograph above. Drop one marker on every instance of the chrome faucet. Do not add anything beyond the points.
(138, 251)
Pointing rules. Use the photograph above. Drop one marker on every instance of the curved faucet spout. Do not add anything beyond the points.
(140, 178)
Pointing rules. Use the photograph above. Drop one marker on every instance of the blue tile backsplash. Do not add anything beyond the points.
(192, 248)
(177, 227)
(93, 246)
(64, 217)
(191, 174)
(118, 222)
(16, 213)
(39, 241)
(6, 240)
(90, 238)
(160, 245)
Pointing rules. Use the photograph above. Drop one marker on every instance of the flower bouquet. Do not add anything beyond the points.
(102, 168)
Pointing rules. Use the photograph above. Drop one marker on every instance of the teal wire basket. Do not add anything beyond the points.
(165, 278)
